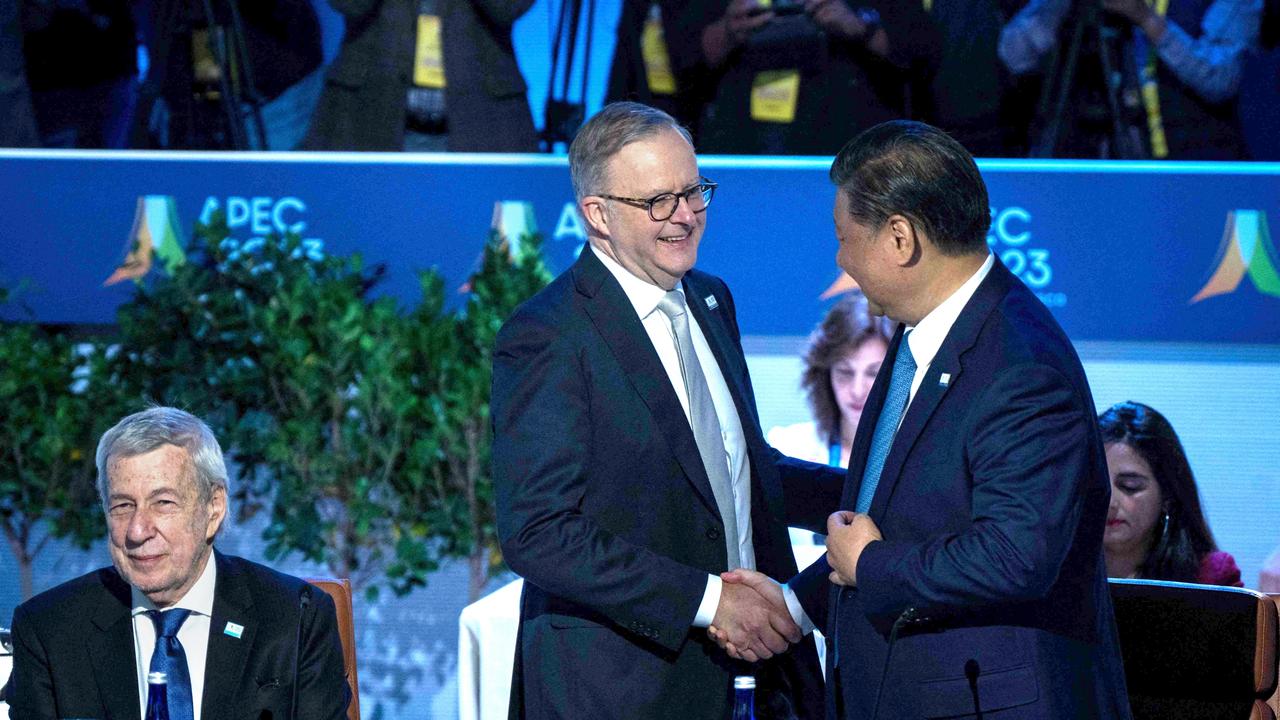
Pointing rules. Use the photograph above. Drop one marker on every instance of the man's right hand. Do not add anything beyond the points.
(753, 625)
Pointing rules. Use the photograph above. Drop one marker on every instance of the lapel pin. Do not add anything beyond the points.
(944, 380)
(711, 302)
(233, 630)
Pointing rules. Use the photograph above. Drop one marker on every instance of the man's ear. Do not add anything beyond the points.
(906, 242)
(217, 512)
(595, 214)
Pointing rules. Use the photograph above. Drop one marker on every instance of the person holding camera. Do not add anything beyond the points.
(1187, 56)
(799, 77)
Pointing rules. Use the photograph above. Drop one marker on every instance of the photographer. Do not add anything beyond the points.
(802, 76)
(1188, 55)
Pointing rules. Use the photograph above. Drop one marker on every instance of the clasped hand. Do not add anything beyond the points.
(752, 622)
(848, 534)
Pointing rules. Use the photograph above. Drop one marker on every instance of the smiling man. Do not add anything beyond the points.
(236, 639)
(964, 572)
(629, 466)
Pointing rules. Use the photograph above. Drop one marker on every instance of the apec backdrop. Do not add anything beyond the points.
(1119, 251)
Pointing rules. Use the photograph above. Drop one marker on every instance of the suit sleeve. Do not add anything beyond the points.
(541, 408)
(1028, 458)
(324, 691)
(30, 693)
(811, 491)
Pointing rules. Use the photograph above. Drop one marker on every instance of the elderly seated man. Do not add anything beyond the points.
(236, 639)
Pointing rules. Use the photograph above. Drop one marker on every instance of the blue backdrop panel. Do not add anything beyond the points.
(1117, 250)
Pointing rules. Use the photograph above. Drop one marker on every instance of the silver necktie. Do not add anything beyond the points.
(706, 426)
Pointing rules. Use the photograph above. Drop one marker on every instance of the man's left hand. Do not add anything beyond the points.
(848, 534)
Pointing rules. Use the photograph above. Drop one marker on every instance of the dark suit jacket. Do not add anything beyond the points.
(363, 104)
(992, 503)
(603, 505)
(73, 650)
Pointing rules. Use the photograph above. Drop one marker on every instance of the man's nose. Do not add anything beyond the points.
(141, 527)
(684, 213)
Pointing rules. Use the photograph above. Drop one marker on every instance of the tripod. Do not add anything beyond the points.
(1114, 121)
(172, 111)
(563, 117)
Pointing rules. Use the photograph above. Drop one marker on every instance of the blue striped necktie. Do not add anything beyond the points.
(895, 402)
(170, 659)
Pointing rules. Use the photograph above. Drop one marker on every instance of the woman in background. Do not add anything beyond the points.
(1156, 528)
(841, 362)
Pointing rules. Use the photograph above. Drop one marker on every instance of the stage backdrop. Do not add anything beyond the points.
(1164, 275)
(1120, 252)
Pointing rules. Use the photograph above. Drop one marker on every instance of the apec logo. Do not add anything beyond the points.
(260, 216)
(1246, 250)
(1010, 238)
(157, 232)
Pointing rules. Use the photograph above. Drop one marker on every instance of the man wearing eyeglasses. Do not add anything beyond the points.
(629, 466)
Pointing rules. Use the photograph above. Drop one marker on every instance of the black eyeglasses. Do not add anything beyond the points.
(661, 207)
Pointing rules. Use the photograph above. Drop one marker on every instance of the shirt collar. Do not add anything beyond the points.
(927, 336)
(199, 599)
(644, 295)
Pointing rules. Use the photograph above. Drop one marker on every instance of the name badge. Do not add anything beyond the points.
(774, 94)
(428, 59)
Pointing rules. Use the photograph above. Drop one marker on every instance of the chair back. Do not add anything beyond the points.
(1196, 651)
(340, 590)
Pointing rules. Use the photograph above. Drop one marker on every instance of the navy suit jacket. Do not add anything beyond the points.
(988, 594)
(604, 507)
(73, 650)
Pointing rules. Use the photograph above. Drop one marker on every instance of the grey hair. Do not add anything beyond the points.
(150, 429)
(616, 126)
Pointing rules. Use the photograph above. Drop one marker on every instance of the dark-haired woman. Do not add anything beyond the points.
(841, 362)
(1156, 528)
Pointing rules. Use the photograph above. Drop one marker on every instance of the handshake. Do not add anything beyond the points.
(752, 621)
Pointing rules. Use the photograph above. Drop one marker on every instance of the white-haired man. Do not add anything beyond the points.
(236, 639)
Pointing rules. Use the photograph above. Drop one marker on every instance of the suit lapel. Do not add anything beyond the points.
(226, 662)
(615, 319)
(707, 310)
(111, 649)
(947, 361)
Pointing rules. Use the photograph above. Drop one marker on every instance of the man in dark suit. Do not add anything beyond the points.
(964, 574)
(236, 639)
(372, 96)
(629, 466)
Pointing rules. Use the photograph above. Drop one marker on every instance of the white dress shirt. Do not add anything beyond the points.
(927, 335)
(194, 634)
(644, 297)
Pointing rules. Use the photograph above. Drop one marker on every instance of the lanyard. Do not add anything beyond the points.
(1146, 55)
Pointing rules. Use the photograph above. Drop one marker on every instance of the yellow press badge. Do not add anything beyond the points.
(774, 94)
(657, 63)
(428, 59)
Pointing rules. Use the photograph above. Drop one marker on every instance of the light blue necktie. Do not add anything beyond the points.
(895, 402)
(170, 659)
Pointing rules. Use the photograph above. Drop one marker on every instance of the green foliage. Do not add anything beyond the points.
(363, 428)
(451, 494)
(56, 400)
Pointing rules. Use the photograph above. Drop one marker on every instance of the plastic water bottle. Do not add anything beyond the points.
(157, 696)
(744, 698)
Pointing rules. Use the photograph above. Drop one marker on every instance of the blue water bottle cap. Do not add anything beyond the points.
(744, 682)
